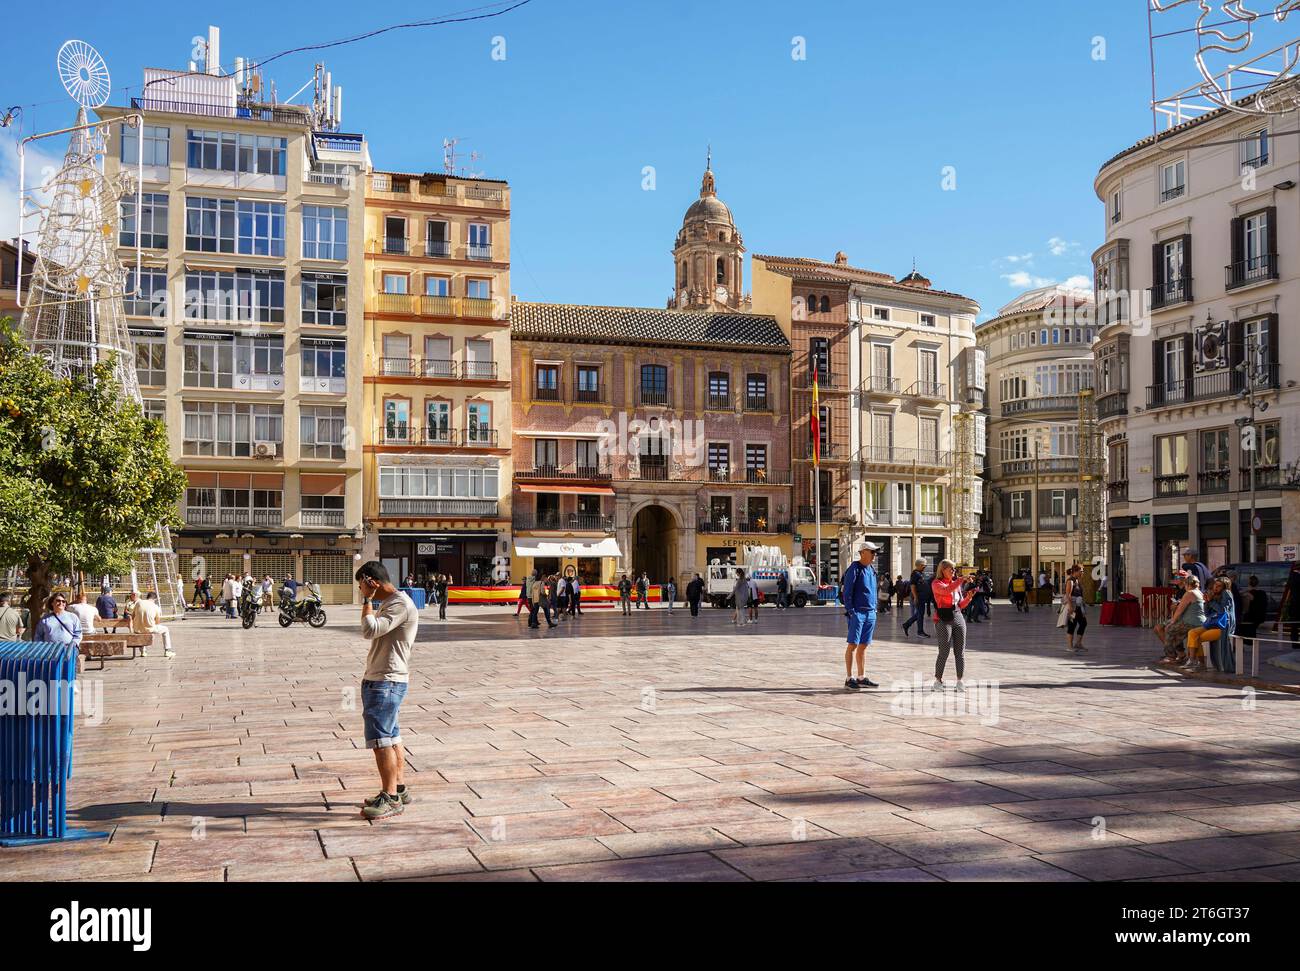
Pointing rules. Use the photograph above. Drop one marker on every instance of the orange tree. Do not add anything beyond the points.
(85, 477)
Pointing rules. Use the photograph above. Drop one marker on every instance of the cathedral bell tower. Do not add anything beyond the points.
(708, 254)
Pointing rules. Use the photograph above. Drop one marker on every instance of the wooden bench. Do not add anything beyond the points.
(113, 645)
(112, 623)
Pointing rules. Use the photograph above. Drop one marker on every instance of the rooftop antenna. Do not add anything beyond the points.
(450, 156)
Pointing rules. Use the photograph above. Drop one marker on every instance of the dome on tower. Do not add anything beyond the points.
(708, 207)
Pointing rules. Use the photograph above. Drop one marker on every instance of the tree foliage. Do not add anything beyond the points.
(85, 477)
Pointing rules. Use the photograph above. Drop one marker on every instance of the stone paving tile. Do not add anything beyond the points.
(545, 741)
(891, 875)
(482, 876)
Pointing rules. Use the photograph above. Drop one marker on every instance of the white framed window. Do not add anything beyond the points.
(480, 241)
(324, 233)
(1173, 180)
(320, 431)
(927, 320)
(395, 283)
(1254, 148)
(153, 140)
(1116, 206)
(150, 357)
(880, 313)
(323, 366)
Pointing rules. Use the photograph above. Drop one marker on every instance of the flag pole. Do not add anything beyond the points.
(817, 491)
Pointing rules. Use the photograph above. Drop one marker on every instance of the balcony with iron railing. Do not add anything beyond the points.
(1266, 477)
(1212, 481)
(651, 396)
(322, 517)
(232, 516)
(275, 114)
(1045, 465)
(437, 189)
(1117, 491)
(757, 403)
(718, 402)
(1173, 192)
(581, 522)
(548, 392)
(404, 434)
(829, 451)
(1020, 524)
(653, 471)
(437, 369)
(1218, 384)
(1052, 524)
(928, 390)
(437, 247)
(572, 471)
(397, 245)
(398, 367)
(723, 525)
(880, 385)
(1038, 405)
(1113, 405)
(469, 508)
(478, 251)
(428, 305)
(1256, 269)
(1171, 293)
(894, 455)
(589, 395)
(1171, 485)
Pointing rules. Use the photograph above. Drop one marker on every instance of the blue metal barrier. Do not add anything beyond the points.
(37, 716)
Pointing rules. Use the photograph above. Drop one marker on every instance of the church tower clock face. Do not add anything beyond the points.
(707, 258)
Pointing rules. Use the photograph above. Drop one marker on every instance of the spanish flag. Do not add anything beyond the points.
(814, 427)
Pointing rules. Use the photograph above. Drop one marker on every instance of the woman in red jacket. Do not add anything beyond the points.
(948, 606)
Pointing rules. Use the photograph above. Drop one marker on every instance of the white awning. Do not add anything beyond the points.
(567, 547)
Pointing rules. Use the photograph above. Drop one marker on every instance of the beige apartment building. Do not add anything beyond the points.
(436, 408)
(896, 368)
(1197, 284)
(247, 346)
(1038, 355)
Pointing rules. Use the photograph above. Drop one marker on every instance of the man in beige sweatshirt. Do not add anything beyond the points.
(391, 630)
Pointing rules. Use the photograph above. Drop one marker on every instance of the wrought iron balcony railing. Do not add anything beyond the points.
(1253, 270)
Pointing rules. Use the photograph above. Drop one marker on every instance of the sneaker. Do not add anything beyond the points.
(865, 682)
(959, 687)
(924, 634)
(382, 806)
(404, 794)
(169, 653)
(144, 652)
(851, 684)
(937, 686)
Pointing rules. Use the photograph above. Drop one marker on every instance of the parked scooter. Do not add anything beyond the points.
(248, 606)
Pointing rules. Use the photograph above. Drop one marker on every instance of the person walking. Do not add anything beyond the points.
(886, 593)
(562, 596)
(391, 630)
(642, 590)
(670, 592)
(782, 590)
(952, 595)
(548, 600)
(59, 624)
(575, 595)
(1254, 612)
(12, 627)
(694, 593)
(536, 590)
(442, 591)
(918, 594)
(1018, 591)
(230, 595)
(740, 597)
(900, 590)
(1076, 618)
(625, 594)
(523, 597)
(754, 598)
(860, 594)
(1288, 610)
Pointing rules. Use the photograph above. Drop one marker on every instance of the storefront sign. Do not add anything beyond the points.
(1051, 549)
(1289, 553)
(433, 549)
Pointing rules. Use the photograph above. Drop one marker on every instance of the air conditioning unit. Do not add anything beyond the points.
(265, 450)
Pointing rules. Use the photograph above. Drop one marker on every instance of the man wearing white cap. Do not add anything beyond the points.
(859, 593)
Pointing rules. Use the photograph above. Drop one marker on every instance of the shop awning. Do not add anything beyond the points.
(567, 547)
(568, 489)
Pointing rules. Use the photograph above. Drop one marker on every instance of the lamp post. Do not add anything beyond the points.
(1253, 373)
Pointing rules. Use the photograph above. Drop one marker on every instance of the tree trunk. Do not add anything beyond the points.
(38, 579)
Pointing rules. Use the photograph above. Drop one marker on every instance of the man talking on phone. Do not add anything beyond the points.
(391, 630)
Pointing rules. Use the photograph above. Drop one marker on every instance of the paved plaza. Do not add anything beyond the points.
(661, 747)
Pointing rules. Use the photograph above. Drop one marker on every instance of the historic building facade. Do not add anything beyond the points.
(437, 403)
(1196, 288)
(895, 362)
(251, 233)
(647, 440)
(1038, 356)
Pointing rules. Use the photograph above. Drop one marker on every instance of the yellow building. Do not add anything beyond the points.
(251, 231)
(437, 429)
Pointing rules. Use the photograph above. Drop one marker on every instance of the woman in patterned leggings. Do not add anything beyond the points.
(948, 607)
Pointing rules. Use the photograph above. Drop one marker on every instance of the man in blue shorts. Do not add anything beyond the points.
(859, 591)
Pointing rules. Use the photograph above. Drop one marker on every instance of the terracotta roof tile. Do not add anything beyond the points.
(645, 325)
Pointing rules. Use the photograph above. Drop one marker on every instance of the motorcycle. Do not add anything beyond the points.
(248, 607)
(308, 610)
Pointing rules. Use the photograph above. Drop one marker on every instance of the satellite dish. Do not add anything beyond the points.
(84, 73)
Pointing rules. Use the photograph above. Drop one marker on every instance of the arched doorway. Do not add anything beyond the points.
(654, 543)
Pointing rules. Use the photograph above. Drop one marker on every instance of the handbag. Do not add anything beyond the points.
(1063, 618)
(946, 614)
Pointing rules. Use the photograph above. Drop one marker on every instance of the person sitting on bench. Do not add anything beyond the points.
(144, 620)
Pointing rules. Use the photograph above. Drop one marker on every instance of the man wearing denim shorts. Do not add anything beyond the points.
(391, 631)
(859, 591)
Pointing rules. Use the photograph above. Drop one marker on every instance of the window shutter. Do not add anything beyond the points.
(1158, 266)
(1158, 365)
(1189, 364)
(1272, 239)
(1187, 268)
(1238, 239)
(1236, 344)
(1274, 335)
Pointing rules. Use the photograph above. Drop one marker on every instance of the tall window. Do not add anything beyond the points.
(153, 140)
(587, 454)
(654, 384)
(756, 463)
(546, 454)
(242, 294)
(1173, 180)
(819, 359)
(719, 389)
(324, 233)
(1171, 455)
(1254, 148)
(547, 385)
(719, 461)
(397, 419)
(230, 429)
(152, 224)
(437, 421)
(320, 431)
(588, 382)
(146, 296)
(150, 357)
(325, 298)
(261, 228)
(478, 427)
(756, 392)
(480, 241)
(437, 239)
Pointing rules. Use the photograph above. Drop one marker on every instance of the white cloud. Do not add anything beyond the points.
(40, 166)
(1022, 258)
(1026, 281)
(1059, 247)
(1078, 282)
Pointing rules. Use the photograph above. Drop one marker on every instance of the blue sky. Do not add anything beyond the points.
(843, 150)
